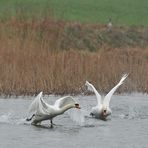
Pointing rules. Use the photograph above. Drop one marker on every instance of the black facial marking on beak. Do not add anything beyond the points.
(77, 106)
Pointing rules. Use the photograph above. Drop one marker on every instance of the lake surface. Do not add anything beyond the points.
(126, 128)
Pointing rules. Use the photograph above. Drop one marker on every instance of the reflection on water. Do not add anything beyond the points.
(127, 126)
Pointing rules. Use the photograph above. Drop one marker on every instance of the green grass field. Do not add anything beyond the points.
(123, 12)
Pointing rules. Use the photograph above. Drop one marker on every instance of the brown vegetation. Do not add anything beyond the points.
(45, 56)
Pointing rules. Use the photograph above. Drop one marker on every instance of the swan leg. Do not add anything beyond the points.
(29, 119)
(51, 123)
(91, 114)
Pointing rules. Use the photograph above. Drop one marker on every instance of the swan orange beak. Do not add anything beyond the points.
(77, 106)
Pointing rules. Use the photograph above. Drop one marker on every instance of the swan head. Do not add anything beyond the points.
(105, 112)
(77, 106)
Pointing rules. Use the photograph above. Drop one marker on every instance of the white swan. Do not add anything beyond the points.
(102, 110)
(43, 111)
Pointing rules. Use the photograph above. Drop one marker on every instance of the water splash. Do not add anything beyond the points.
(77, 116)
(22, 121)
(10, 118)
(5, 118)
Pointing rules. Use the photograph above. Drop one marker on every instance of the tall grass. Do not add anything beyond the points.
(39, 55)
(30, 71)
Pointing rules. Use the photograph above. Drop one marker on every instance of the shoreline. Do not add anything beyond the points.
(137, 94)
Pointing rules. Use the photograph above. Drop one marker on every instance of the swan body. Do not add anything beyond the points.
(102, 109)
(43, 111)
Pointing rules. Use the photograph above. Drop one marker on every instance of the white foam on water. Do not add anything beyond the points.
(5, 118)
(10, 118)
(77, 115)
(22, 121)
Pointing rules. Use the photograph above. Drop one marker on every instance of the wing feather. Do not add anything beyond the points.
(64, 101)
(90, 87)
(39, 105)
(109, 95)
(35, 104)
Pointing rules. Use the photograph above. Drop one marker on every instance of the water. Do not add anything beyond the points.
(126, 128)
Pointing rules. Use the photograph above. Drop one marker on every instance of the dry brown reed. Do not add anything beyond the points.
(30, 71)
(32, 60)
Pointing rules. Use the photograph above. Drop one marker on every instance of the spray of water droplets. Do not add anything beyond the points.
(77, 116)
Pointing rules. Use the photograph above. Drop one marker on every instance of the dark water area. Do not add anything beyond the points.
(127, 127)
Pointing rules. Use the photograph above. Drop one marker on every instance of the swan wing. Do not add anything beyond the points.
(90, 87)
(35, 104)
(109, 95)
(64, 101)
(39, 105)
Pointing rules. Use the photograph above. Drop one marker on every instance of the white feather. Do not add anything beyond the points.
(44, 111)
(109, 95)
(97, 110)
(35, 104)
(64, 101)
(90, 87)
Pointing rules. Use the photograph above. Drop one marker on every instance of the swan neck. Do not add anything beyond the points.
(65, 108)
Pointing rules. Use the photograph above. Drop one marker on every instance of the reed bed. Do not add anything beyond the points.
(31, 71)
(35, 56)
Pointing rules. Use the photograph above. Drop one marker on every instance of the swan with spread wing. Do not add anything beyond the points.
(102, 109)
(43, 111)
